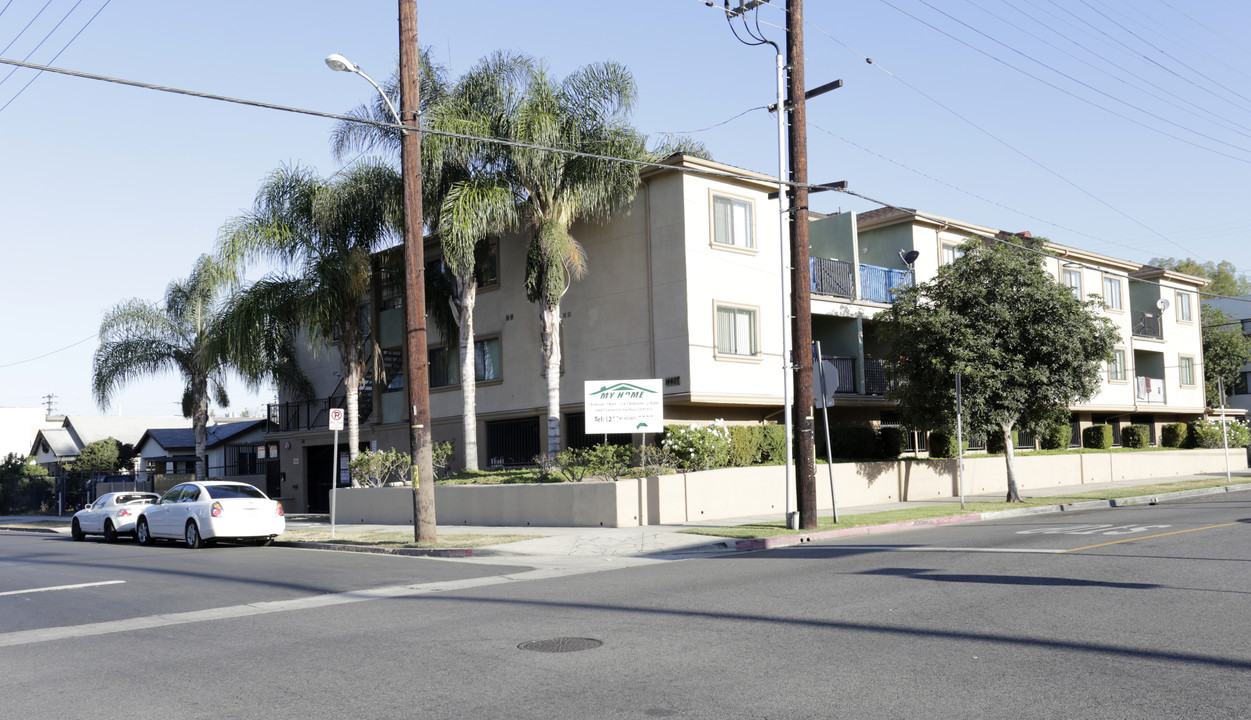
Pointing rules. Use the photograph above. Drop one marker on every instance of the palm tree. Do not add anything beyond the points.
(532, 184)
(186, 334)
(322, 233)
(462, 230)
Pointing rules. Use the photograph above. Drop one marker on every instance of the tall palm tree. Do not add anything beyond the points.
(322, 233)
(462, 231)
(531, 185)
(187, 333)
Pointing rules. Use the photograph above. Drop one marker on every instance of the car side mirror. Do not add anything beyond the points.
(87, 506)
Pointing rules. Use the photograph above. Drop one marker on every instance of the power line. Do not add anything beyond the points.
(40, 357)
(54, 57)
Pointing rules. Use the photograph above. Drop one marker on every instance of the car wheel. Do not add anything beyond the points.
(192, 536)
(141, 532)
(110, 534)
(76, 531)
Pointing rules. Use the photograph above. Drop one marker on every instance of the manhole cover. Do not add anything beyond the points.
(558, 645)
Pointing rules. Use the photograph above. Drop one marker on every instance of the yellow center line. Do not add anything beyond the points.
(1146, 537)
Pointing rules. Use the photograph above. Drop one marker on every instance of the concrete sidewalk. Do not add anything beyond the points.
(666, 541)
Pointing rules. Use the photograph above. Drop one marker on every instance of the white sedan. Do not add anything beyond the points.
(201, 512)
(110, 515)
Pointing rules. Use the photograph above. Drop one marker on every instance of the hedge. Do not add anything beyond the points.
(943, 445)
(1056, 436)
(1097, 437)
(994, 441)
(1135, 436)
(891, 442)
(1175, 435)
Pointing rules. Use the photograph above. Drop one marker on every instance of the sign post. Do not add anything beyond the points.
(336, 424)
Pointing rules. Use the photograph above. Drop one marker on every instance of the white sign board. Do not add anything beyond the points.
(624, 406)
(336, 418)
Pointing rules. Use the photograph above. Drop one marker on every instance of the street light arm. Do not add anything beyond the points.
(342, 64)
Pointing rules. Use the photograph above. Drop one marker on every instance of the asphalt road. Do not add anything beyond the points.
(1135, 612)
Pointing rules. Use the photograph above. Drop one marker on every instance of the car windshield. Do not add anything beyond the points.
(123, 499)
(220, 492)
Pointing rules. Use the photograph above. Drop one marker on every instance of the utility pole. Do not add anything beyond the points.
(416, 373)
(48, 400)
(801, 301)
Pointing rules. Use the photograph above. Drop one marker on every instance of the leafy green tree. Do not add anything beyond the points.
(1224, 276)
(190, 334)
(1225, 351)
(99, 456)
(322, 233)
(1025, 345)
(15, 465)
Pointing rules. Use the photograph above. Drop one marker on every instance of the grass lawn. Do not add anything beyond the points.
(774, 529)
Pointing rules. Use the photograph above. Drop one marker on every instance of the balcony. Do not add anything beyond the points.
(835, 278)
(831, 277)
(878, 284)
(315, 414)
(844, 368)
(1149, 390)
(1147, 325)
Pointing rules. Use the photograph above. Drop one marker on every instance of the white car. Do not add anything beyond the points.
(110, 515)
(201, 512)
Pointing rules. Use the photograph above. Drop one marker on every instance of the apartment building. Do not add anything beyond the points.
(687, 286)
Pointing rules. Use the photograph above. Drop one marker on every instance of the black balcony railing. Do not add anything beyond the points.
(832, 277)
(1147, 325)
(875, 381)
(315, 414)
(840, 374)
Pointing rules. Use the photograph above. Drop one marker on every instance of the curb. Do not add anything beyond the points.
(45, 531)
(791, 540)
(411, 552)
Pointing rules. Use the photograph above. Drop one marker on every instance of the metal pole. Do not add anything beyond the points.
(334, 477)
(1220, 384)
(788, 380)
(959, 443)
(825, 418)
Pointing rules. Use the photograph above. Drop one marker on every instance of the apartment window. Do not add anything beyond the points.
(1072, 278)
(1112, 293)
(736, 331)
(1116, 368)
(732, 222)
(951, 253)
(1186, 366)
(487, 264)
(1183, 307)
(445, 363)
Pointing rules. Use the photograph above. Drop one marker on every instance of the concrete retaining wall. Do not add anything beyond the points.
(738, 492)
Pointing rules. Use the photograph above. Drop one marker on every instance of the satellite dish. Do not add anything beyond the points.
(909, 257)
(1162, 303)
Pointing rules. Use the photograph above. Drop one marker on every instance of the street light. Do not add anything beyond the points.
(339, 63)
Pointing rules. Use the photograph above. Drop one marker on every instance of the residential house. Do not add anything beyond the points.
(53, 448)
(687, 286)
(236, 450)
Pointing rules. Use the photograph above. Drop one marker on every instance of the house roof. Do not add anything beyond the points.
(87, 429)
(181, 438)
(59, 441)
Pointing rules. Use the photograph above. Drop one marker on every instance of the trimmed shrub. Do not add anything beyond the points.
(699, 447)
(1135, 436)
(943, 444)
(1174, 435)
(744, 445)
(994, 441)
(853, 441)
(1207, 434)
(1055, 436)
(891, 442)
(1097, 437)
(773, 443)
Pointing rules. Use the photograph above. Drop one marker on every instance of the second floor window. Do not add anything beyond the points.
(445, 363)
(1186, 366)
(732, 222)
(1116, 368)
(736, 331)
(1112, 293)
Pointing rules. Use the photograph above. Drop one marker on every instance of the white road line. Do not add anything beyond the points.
(535, 571)
(62, 587)
(905, 548)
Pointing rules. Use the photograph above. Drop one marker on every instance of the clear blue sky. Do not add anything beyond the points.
(110, 192)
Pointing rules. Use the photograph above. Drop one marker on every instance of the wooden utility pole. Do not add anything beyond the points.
(416, 373)
(801, 301)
